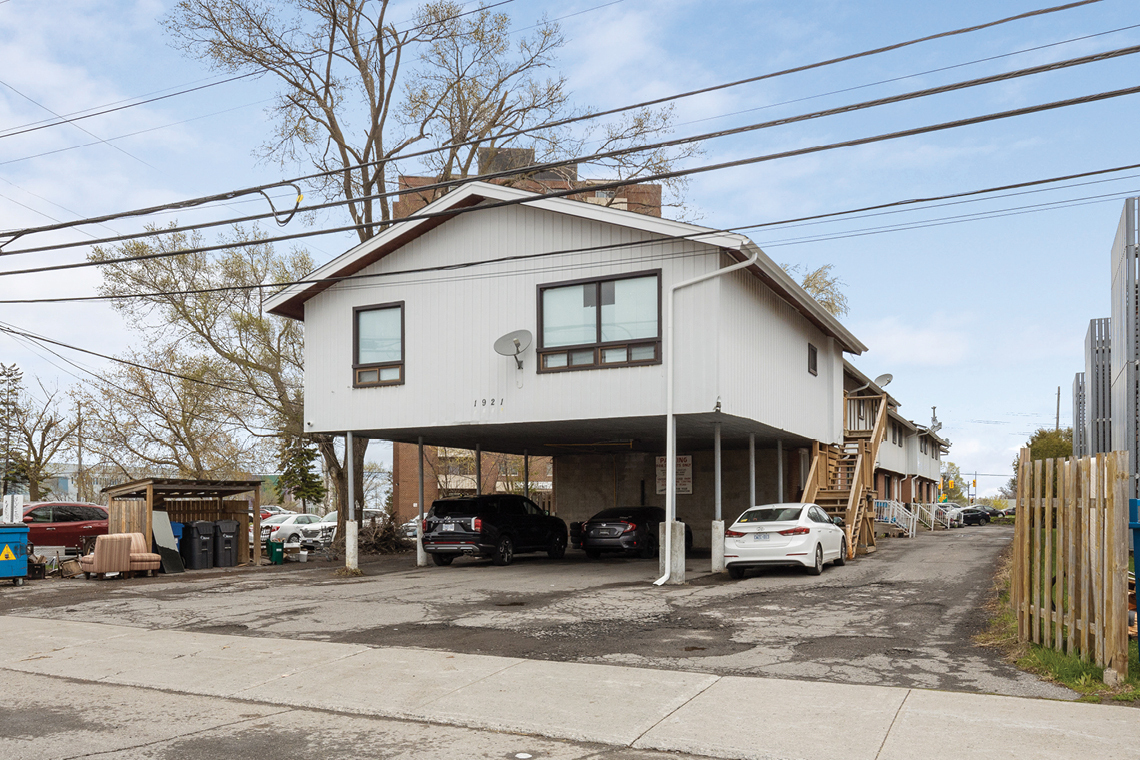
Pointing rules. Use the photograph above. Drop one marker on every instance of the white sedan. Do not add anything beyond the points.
(286, 527)
(319, 533)
(783, 534)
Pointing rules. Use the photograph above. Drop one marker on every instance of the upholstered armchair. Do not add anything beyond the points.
(112, 555)
(142, 559)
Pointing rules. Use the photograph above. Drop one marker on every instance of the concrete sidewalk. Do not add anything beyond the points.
(700, 714)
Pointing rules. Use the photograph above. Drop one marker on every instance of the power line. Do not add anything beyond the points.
(618, 183)
(898, 205)
(588, 116)
(552, 165)
(70, 120)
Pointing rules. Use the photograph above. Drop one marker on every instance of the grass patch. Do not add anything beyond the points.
(1048, 664)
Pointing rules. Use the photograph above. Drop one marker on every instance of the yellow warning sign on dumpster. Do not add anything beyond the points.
(7, 554)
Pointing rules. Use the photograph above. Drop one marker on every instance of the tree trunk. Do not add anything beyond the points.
(338, 475)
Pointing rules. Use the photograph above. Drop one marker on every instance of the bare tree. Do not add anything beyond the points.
(187, 426)
(822, 285)
(43, 429)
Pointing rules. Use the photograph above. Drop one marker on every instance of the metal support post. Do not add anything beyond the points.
(478, 470)
(421, 555)
(779, 471)
(716, 535)
(351, 556)
(752, 469)
(526, 474)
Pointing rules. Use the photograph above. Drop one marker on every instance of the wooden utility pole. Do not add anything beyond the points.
(79, 434)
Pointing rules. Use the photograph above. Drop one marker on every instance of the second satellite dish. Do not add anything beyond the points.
(883, 380)
(513, 344)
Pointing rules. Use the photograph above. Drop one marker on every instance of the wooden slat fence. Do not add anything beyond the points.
(132, 516)
(1069, 586)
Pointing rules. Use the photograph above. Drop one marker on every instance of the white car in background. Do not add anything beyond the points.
(285, 527)
(319, 533)
(784, 534)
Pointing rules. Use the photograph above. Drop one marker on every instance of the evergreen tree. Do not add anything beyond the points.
(297, 477)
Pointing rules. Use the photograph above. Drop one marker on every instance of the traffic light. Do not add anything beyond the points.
(951, 484)
(974, 484)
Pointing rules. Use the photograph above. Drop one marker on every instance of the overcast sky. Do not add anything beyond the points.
(983, 318)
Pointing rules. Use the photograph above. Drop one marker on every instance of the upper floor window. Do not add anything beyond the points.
(600, 323)
(813, 359)
(378, 345)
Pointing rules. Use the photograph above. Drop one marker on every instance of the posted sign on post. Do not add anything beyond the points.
(684, 475)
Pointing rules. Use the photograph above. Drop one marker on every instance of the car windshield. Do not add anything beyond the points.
(771, 514)
(329, 518)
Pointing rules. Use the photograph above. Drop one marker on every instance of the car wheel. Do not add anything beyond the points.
(504, 551)
(557, 547)
(735, 572)
(985, 521)
(649, 548)
(842, 560)
(442, 560)
(593, 553)
(817, 568)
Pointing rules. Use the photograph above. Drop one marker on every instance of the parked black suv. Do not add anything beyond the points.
(496, 526)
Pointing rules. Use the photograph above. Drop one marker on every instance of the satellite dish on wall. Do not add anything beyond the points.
(883, 380)
(513, 344)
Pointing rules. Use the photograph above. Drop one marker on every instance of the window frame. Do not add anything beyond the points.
(597, 346)
(357, 366)
(813, 360)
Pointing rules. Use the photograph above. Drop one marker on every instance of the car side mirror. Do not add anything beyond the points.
(27, 518)
(838, 521)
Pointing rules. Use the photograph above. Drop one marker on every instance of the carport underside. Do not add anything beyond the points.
(601, 463)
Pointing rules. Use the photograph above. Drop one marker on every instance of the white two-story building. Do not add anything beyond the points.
(400, 334)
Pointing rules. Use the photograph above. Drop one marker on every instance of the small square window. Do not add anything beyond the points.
(378, 345)
(554, 361)
(614, 355)
(643, 353)
(813, 360)
(581, 358)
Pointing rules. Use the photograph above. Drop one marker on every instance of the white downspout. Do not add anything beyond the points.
(670, 423)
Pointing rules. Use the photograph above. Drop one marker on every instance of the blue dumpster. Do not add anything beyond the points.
(176, 529)
(14, 552)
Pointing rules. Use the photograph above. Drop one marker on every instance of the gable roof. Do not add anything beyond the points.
(290, 301)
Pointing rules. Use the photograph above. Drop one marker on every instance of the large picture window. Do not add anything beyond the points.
(611, 322)
(378, 345)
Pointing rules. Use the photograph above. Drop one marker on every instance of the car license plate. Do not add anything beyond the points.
(760, 536)
(447, 527)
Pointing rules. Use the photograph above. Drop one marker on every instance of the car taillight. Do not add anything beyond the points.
(729, 533)
(477, 525)
(629, 526)
(800, 531)
(423, 528)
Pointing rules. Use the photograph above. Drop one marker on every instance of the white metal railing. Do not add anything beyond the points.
(925, 514)
(934, 516)
(895, 513)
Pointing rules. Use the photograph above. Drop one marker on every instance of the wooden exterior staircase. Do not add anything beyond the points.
(842, 478)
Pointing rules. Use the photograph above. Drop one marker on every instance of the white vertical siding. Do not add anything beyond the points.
(763, 346)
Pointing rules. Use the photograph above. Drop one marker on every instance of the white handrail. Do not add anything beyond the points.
(895, 513)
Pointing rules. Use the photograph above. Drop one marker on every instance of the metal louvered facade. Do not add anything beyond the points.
(1098, 387)
(1125, 337)
(1080, 417)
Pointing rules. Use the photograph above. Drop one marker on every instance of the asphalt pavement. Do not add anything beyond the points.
(78, 689)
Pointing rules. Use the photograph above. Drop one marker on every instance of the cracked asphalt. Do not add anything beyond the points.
(904, 616)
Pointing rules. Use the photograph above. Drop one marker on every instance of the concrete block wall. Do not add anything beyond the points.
(588, 483)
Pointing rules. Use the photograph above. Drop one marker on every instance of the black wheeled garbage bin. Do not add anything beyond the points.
(225, 543)
(198, 545)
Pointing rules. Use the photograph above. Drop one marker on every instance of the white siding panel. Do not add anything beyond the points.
(892, 456)
(764, 374)
(452, 319)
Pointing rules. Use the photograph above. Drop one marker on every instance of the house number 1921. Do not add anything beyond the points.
(488, 402)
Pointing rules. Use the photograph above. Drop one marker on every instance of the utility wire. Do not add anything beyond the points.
(897, 205)
(13, 330)
(584, 117)
(617, 183)
(69, 120)
(553, 165)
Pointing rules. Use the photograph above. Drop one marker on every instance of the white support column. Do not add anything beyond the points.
(752, 469)
(478, 470)
(716, 536)
(421, 555)
(526, 473)
(351, 556)
(779, 471)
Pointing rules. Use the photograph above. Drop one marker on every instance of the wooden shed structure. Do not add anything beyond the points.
(131, 506)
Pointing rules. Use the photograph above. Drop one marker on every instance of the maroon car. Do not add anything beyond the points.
(63, 523)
